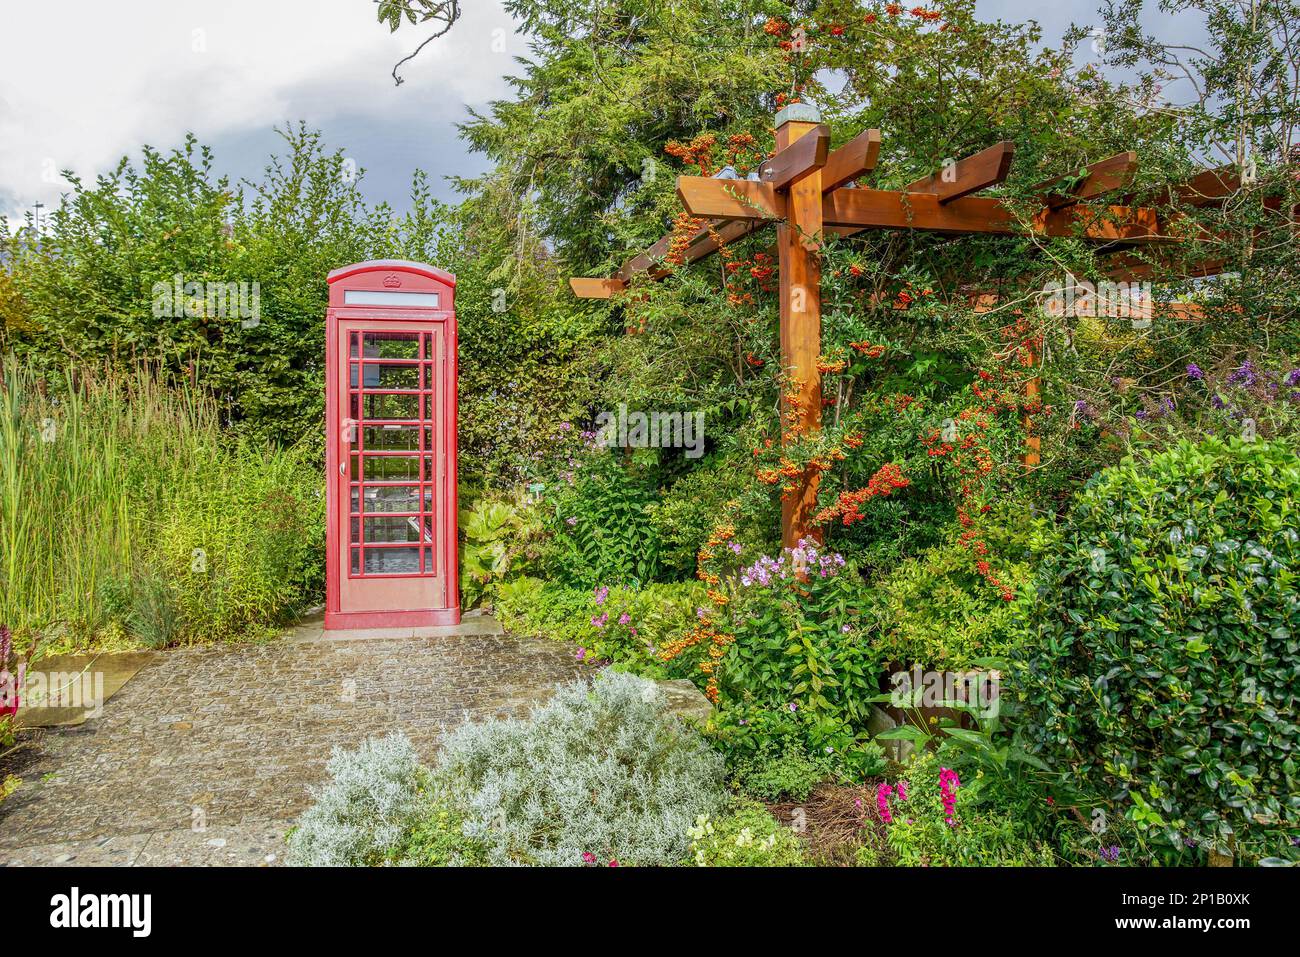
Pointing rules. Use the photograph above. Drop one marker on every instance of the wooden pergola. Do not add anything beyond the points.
(808, 190)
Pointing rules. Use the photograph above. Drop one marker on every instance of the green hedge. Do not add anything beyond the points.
(1168, 626)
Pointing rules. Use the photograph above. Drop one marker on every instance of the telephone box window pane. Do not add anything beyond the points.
(388, 529)
(429, 567)
(375, 297)
(356, 561)
(388, 345)
(392, 438)
(393, 561)
(392, 406)
(392, 468)
(393, 498)
(392, 376)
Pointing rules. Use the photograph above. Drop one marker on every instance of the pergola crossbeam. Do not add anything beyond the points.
(1105, 176)
(979, 171)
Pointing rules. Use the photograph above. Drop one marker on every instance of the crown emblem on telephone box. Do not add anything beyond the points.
(392, 282)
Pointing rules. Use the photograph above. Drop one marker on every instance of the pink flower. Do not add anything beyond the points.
(902, 790)
(588, 857)
(613, 862)
(882, 802)
(624, 618)
(948, 784)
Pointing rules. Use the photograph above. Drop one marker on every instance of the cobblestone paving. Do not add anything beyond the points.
(205, 756)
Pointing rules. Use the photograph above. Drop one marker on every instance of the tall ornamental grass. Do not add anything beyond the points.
(128, 516)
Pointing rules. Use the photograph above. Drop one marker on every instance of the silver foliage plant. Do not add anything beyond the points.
(364, 810)
(601, 770)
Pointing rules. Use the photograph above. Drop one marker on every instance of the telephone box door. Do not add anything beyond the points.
(393, 467)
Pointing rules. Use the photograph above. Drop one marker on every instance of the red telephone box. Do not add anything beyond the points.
(390, 413)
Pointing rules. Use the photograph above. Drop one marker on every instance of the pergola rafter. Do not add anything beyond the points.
(807, 190)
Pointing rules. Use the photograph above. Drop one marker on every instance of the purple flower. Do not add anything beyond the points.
(582, 653)
(1110, 853)
(1244, 374)
(735, 547)
(1194, 372)
(600, 620)
(793, 706)
(624, 618)
(571, 520)
(1217, 402)
(1143, 415)
(601, 594)
(1292, 378)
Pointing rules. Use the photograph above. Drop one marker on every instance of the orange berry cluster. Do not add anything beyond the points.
(705, 629)
(848, 507)
(867, 349)
(698, 152)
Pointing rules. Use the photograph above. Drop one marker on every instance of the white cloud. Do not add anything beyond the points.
(84, 82)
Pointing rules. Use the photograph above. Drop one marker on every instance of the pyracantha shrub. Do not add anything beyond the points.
(362, 815)
(1167, 626)
(601, 773)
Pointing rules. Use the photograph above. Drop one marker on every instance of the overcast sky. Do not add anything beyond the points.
(83, 82)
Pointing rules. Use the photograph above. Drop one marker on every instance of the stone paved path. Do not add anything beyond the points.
(205, 756)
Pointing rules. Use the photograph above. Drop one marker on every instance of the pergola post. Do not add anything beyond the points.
(798, 250)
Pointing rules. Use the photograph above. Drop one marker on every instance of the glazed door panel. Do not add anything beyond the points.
(391, 466)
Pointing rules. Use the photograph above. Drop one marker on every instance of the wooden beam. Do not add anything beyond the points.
(1208, 188)
(887, 209)
(717, 198)
(804, 154)
(855, 158)
(1114, 172)
(585, 288)
(985, 168)
(1126, 267)
(801, 328)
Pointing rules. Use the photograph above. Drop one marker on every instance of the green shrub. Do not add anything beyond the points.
(361, 817)
(936, 611)
(534, 608)
(745, 836)
(600, 770)
(435, 837)
(1167, 626)
(600, 530)
(685, 514)
(771, 752)
(622, 625)
(770, 774)
(925, 833)
(498, 538)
